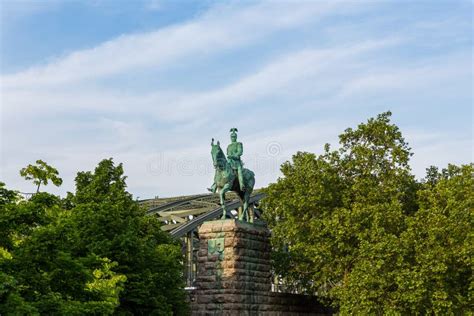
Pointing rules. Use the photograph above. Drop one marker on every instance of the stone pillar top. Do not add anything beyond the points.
(233, 225)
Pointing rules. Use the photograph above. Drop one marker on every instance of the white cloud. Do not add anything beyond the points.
(154, 5)
(221, 28)
(438, 149)
(408, 78)
(61, 113)
(294, 69)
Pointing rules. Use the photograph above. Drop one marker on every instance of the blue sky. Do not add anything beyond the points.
(149, 83)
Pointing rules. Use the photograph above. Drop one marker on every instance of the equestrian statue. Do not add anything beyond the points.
(231, 175)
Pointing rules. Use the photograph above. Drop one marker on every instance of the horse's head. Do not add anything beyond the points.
(218, 157)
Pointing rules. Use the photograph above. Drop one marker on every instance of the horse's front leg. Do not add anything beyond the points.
(213, 188)
(242, 210)
(222, 193)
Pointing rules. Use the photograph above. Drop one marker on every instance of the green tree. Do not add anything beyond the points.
(11, 300)
(39, 274)
(112, 225)
(7, 196)
(339, 221)
(41, 173)
(93, 253)
(436, 274)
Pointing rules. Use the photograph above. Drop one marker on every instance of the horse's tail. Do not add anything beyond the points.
(250, 179)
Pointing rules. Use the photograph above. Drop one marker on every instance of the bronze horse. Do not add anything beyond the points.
(225, 179)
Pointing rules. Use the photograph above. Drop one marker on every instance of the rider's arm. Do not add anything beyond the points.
(229, 153)
(240, 150)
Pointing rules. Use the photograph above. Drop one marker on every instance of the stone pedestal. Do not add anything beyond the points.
(233, 274)
(233, 267)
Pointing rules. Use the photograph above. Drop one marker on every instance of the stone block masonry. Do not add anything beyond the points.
(234, 276)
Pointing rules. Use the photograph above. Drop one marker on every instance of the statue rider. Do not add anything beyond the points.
(234, 151)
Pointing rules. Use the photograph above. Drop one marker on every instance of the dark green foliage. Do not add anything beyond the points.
(7, 196)
(113, 226)
(437, 273)
(350, 225)
(93, 253)
(40, 274)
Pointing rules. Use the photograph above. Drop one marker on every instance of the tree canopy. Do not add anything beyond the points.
(41, 173)
(354, 226)
(94, 252)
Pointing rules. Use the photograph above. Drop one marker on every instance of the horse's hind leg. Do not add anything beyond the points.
(251, 213)
(241, 212)
(222, 193)
(245, 212)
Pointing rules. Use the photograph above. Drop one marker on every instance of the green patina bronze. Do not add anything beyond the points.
(230, 174)
(216, 247)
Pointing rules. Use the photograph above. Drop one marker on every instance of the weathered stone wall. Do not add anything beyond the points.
(234, 277)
